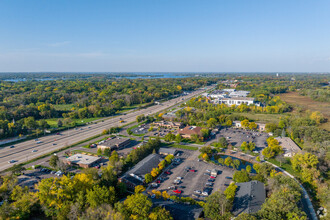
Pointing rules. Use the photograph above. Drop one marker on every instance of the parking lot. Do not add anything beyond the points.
(194, 176)
(236, 137)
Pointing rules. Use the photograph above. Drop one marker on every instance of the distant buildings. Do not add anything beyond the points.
(261, 127)
(188, 131)
(289, 147)
(231, 97)
(135, 176)
(237, 124)
(114, 143)
(249, 197)
(82, 160)
(168, 124)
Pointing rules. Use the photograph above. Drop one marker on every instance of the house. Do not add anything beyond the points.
(249, 197)
(83, 160)
(114, 143)
(289, 147)
(237, 124)
(190, 130)
(261, 127)
(168, 124)
(135, 176)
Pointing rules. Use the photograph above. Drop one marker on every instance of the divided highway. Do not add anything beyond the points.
(28, 150)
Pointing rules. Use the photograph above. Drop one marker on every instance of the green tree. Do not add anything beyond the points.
(248, 168)
(228, 161)
(230, 192)
(212, 122)
(139, 189)
(223, 142)
(53, 161)
(160, 213)
(241, 176)
(138, 206)
(217, 206)
(148, 178)
(245, 123)
(99, 151)
(178, 138)
(236, 163)
(100, 195)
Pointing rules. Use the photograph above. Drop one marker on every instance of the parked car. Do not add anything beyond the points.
(209, 184)
(213, 177)
(197, 192)
(167, 172)
(179, 178)
(177, 191)
(192, 170)
(206, 174)
(209, 171)
(228, 177)
(211, 180)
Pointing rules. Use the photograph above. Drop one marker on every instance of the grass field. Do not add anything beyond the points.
(306, 103)
(265, 118)
(53, 121)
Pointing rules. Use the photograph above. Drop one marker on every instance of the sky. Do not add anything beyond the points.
(164, 36)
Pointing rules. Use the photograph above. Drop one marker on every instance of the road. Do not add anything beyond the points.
(22, 152)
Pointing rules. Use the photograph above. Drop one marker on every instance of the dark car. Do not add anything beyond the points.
(228, 177)
(211, 180)
(12, 146)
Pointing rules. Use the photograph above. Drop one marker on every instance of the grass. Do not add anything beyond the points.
(266, 118)
(285, 166)
(53, 121)
(306, 103)
(185, 147)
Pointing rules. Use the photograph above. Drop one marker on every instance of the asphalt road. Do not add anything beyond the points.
(22, 152)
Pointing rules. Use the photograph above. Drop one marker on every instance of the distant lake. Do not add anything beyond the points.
(117, 76)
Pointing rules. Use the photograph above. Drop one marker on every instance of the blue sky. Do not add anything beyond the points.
(165, 35)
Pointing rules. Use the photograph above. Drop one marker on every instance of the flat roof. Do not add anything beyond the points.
(239, 98)
(114, 141)
(82, 159)
(167, 150)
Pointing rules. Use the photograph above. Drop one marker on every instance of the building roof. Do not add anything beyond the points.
(189, 130)
(82, 159)
(249, 197)
(167, 150)
(113, 142)
(288, 145)
(144, 166)
(239, 98)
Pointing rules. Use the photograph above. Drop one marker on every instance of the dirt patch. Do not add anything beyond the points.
(308, 103)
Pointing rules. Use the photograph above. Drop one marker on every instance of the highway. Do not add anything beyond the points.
(22, 152)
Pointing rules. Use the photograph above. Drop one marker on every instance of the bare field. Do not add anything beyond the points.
(308, 104)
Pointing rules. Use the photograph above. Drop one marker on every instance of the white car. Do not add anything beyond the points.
(205, 193)
(179, 178)
(209, 171)
(197, 192)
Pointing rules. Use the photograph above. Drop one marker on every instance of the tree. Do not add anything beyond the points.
(59, 123)
(160, 213)
(139, 189)
(100, 195)
(251, 146)
(223, 142)
(248, 168)
(221, 161)
(280, 159)
(228, 161)
(148, 178)
(306, 160)
(99, 151)
(217, 207)
(53, 161)
(212, 122)
(241, 176)
(245, 123)
(169, 137)
(107, 151)
(205, 133)
(230, 192)
(140, 118)
(138, 206)
(104, 211)
(253, 126)
(268, 153)
(236, 163)
(244, 146)
(178, 138)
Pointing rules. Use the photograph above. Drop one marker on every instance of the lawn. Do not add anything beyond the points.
(185, 147)
(53, 121)
(265, 118)
(306, 103)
